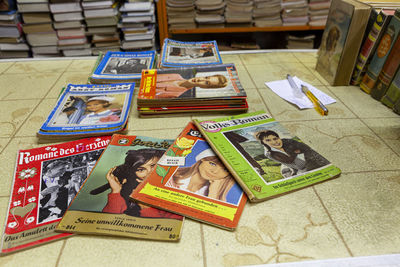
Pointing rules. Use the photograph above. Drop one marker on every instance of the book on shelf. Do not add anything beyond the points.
(102, 205)
(341, 40)
(36, 17)
(388, 71)
(37, 27)
(33, 7)
(45, 181)
(370, 44)
(190, 180)
(392, 94)
(183, 54)
(381, 53)
(87, 110)
(263, 156)
(122, 66)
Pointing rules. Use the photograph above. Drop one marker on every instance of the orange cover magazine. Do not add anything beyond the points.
(192, 181)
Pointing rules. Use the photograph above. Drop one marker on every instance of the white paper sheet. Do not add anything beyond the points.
(284, 90)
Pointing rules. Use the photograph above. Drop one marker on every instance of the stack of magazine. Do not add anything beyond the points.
(191, 89)
(84, 110)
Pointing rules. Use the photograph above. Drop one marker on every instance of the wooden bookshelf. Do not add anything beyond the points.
(164, 32)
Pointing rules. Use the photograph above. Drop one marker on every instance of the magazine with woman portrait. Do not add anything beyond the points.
(102, 206)
(183, 54)
(89, 109)
(191, 83)
(46, 180)
(263, 156)
(192, 181)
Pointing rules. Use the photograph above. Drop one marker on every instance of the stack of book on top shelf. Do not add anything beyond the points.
(318, 12)
(267, 13)
(294, 12)
(12, 43)
(361, 46)
(72, 41)
(138, 25)
(103, 38)
(239, 13)
(210, 13)
(180, 14)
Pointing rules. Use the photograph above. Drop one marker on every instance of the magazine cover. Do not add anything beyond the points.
(191, 180)
(181, 54)
(188, 83)
(89, 109)
(120, 66)
(46, 179)
(102, 206)
(264, 157)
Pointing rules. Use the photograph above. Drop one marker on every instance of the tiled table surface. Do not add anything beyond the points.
(357, 214)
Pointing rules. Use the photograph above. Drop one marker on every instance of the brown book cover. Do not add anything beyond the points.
(341, 40)
(37, 27)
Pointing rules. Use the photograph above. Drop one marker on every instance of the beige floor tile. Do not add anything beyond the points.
(44, 255)
(39, 66)
(362, 104)
(310, 58)
(311, 67)
(13, 114)
(388, 129)
(268, 58)
(274, 72)
(3, 143)
(178, 121)
(364, 207)
(255, 101)
(66, 78)
(7, 159)
(283, 110)
(269, 233)
(84, 65)
(18, 86)
(245, 79)
(235, 59)
(347, 143)
(37, 118)
(113, 251)
(5, 65)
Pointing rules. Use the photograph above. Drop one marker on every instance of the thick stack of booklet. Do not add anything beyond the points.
(267, 13)
(122, 66)
(318, 12)
(191, 89)
(180, 14)
(183, 54)
(239, 13)
(88, 110)
(137, 25)
(103, 38)
(294, 12)
(210, 13)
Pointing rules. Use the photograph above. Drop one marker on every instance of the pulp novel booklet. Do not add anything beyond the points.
(191, 180)
(122, 66)
(45, 181)
(195, 84)
(264, 157)
(86, 110)
(183, 54)
(102, 206)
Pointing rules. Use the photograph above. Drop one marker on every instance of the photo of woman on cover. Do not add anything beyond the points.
(274, 153)
(205, 175)
(90, 110)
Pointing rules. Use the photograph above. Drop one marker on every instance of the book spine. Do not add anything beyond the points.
(369, 47)
(388, 72)
(245, 188)
(381, 54)
(393, 93)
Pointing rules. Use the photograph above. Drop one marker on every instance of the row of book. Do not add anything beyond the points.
(246, 13)
(141, 186)
(75, 28)
(361, 47)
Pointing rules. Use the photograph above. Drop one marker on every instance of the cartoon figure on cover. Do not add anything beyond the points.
(295, 157)
(123, 179)
(204, 174)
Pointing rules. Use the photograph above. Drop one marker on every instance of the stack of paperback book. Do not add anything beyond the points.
(239, 13)
(12, 44)
(267, 13)
(85, 110)
(318, 12)
(180, 14)
(294, 12)
(103, 38)
(210, 13)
